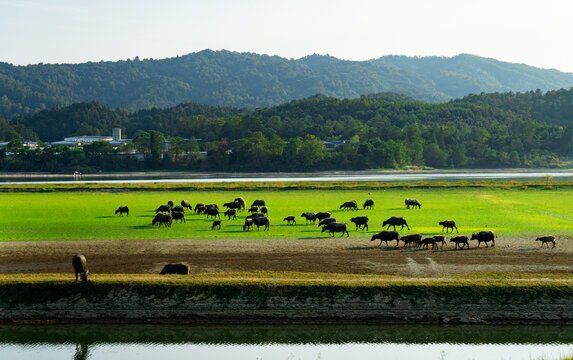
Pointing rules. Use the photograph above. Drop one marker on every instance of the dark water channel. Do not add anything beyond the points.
(141, 342)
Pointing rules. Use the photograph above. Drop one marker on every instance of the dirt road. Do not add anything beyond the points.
(351, 256)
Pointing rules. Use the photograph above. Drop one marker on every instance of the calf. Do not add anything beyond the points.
(336, 227)
(462, 239)
(80, 267)
(360, 222)
(264, 210)
(448, 224)
(441, 239)
(199, 205)
(181, 269)
(290, 219)
(309, 216)
(216, 224)
(231, 213)
(386, 236)
(427, 241)
(546, 240)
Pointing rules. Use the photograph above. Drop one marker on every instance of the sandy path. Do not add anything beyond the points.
(305, 255)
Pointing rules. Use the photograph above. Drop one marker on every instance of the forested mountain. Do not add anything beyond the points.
(224, 78)
(376, 131)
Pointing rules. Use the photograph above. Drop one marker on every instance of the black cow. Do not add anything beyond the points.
(180, 269)
(290, 219)
(163, 208)
(322, 215)
(162, 218)
(360, 222)
(448, 224)
(264, 210)
(80, 267)
(368, 204)
(326, 221)
(231, 213)
(258, 203)
(200, 209)
(412, 202)
(412, 240)
(178, 215)
(170, 203)
(427, 241)
(546, 240)
(212, 212)
(248, 224)
(253, 209)
(232, 205)
(178, 208)
(349, 205)
(386, 236)
(241, 201)
(262, 221)
(199, 205)
(309, 216)
(485, 237)
(186, 204)
(441, 239)
(122, 210)
(395, 221)
(460, 241)
(216, 224)
(334, 228)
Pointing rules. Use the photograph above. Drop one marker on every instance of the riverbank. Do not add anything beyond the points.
(287, 298)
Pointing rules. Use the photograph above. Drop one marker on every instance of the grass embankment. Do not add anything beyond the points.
(510, 210)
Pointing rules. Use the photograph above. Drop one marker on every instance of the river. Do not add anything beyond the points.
(141, 342)
(177, 177)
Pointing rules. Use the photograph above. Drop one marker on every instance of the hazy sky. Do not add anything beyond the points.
(537, 33)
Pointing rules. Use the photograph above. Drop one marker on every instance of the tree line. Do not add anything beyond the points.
(532, 129)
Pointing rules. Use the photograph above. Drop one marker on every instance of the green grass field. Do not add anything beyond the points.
(90, 215)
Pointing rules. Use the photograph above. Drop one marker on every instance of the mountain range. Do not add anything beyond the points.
(225, 78)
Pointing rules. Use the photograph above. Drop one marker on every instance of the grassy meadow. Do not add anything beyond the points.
(89, 215)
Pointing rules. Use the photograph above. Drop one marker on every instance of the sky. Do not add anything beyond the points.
(536, 33)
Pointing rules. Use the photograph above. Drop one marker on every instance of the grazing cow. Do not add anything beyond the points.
(349, 205)
(386, 236)
(212, 212)
(178, 208)
(360, 222)
(80, 267)
(441, 239)
(163, 208)
(241, 201)
(448, 224)
(322, 215)
(186, 204)
(179, 269)
(121, 210)
(264, 210)
(170, 203)
(248, 224)
(232, 205)
(546, 240)
(216, 224)
(309, 216)
(427, 241)
(334, 228)
(368, 204)
(395, 221)
(254, 209)
(255, 215)
(178, 215)
(231, 213)
(485, 236)
(200, 210)
(212, 206)
(162, 218)
(412, 202)
(460, 241)
(290, 219)
(412, 240)
(326, 221)
(262, 221)
(199, 205)
(258, 203)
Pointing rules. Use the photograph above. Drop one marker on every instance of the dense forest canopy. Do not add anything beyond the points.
(224, 78)
(532, 129)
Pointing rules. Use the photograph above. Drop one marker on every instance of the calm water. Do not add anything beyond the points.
(270, 177)
(284, 342)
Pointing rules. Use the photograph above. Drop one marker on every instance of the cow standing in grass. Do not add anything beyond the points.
(449, 224)
(80, 267)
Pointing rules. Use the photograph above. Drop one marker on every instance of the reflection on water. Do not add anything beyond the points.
(284, 342)
(285, 177)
